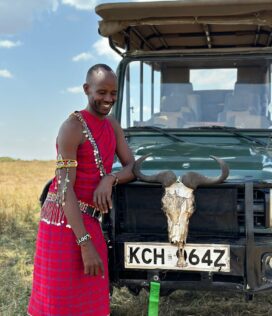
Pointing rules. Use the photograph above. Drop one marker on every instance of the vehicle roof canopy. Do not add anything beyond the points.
(187, 24)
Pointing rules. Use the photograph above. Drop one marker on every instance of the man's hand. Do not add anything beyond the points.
(91, 260)
(102, 195)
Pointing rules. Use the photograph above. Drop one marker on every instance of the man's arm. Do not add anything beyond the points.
(69, 138)
(102, 195)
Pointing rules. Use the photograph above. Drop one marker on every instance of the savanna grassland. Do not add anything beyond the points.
(20, 185)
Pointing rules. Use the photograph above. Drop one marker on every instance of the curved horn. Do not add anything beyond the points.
(166, 178)
(193, 180)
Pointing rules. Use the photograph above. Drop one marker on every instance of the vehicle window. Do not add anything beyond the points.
(204, 79)
(184, 94)
(141, 97)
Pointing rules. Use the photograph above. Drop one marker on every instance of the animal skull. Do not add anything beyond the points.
(178, 200)
(178, 206)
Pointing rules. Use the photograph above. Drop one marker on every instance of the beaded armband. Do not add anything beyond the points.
(83, 238)
(60, 164)
(65, 163)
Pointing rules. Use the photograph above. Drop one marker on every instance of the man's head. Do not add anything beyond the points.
(101, 89)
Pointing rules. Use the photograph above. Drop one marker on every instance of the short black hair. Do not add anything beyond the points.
(95, 68)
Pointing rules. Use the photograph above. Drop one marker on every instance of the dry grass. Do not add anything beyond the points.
(186, 303)
(20, 185)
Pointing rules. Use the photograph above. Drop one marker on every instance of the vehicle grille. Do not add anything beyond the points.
(220, 210)
(259, 206)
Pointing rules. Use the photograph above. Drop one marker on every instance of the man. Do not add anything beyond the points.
(70, 267)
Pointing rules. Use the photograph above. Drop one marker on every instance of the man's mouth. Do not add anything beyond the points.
(108, 105)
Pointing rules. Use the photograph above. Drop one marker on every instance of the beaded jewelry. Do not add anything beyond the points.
(60, 164)
(89, 136)
(83, 238)
(65, 163)
(116, 179)
(52, 210)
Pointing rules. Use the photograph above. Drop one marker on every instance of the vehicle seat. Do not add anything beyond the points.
(193, 101)
(242, 101)
(177, 109)
(244, 111)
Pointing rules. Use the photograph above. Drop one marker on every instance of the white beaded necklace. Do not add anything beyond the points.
(86, 131)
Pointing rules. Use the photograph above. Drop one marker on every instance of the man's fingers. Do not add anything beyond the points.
(93, 270)
(104, 205)
(86, 270)
(96, 270)
(109, 202)
(98, 201)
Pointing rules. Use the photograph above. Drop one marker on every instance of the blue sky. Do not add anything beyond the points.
(46, 47)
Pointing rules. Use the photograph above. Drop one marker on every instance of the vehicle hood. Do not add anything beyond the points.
(246, 161)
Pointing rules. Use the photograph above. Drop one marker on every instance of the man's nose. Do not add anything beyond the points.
(108, 98)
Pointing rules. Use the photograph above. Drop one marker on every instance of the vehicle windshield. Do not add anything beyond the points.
(185, 93)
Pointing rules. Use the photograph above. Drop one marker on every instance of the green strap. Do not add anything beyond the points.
(154, 299)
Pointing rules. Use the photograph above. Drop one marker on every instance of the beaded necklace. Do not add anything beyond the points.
(89, 136)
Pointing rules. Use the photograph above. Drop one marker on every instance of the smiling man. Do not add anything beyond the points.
(101, 90)
(70, 267)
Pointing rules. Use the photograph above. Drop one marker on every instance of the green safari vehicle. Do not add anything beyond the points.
(194, 81)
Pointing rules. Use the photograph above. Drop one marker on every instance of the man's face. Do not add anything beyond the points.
(101, 90)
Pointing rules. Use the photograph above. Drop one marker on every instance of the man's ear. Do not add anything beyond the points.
(85, 88)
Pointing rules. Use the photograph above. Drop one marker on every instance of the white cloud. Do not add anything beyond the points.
(18, 15)
(74, 90)
(9, 44)
(82, 57)
(102, 48)
(4, 73)
(81, 4)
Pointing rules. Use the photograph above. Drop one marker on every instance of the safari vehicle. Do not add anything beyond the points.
(194, 81)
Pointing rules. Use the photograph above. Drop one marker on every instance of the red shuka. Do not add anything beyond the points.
(60, 286)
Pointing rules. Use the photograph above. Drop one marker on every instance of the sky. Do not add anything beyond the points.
(46, 48)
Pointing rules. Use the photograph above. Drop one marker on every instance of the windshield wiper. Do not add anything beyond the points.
(233, 131)
(159, 130)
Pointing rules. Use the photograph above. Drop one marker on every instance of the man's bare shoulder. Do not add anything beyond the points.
(71, 129)
(115, 124)
(71, 123)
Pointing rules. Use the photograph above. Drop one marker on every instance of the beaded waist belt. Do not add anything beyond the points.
(50, 216)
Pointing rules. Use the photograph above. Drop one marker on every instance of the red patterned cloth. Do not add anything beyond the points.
(60, 286)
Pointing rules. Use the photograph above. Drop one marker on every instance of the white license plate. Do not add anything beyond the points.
(199, 257)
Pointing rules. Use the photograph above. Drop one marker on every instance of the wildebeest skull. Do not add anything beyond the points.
(178, 199)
